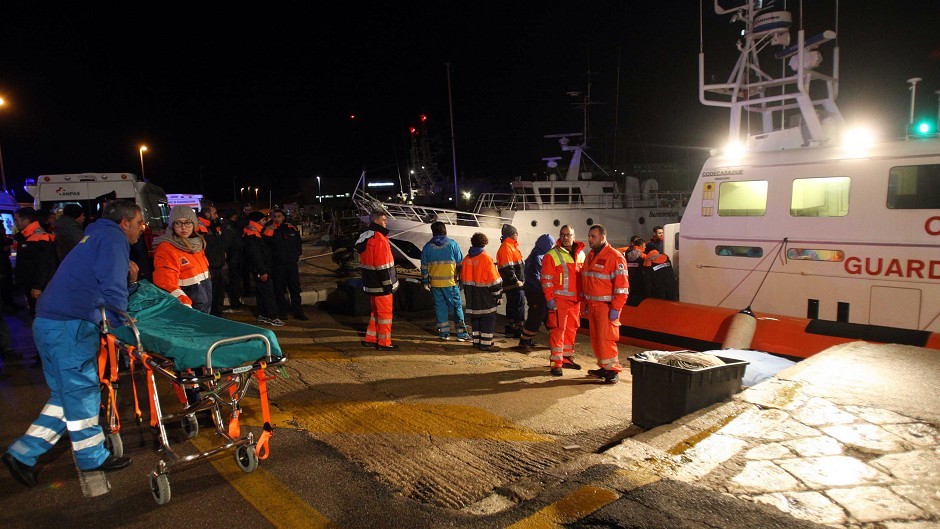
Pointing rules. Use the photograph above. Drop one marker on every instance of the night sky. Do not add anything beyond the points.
(234, 97)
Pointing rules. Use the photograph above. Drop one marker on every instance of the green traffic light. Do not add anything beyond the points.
(923, 127)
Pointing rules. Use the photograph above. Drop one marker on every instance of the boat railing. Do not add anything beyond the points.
(530, 201)
(429, 214)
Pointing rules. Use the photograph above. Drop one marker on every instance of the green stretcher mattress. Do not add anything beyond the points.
(169, 328)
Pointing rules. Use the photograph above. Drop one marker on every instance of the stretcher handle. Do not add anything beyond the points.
(224, 341)
(105, 328)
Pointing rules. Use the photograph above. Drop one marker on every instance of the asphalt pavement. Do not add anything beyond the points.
(438, 434)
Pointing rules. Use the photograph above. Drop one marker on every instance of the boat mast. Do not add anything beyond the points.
(453, 140)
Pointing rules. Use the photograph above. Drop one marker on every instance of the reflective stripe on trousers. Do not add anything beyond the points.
(380, 320)
(446, 301)
(69, 362)
(561, 338)
(604, 336)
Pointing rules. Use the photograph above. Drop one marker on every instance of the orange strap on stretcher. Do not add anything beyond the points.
(107, 356)
(262, 449)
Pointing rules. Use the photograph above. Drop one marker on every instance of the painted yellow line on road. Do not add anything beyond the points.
(443, 420)
(569, 509)
(271, 498)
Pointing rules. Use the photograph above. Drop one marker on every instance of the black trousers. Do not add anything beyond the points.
(264, 296)
(515, 309)
(234, 284)
(217, 278)
(537, 311)
(287, 277)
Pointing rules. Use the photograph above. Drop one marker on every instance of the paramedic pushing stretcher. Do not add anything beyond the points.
(66, 331)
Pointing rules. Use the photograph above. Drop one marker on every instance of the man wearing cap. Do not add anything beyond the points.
(511, 270)
(68, 229)
(605, 283)
(379, 280)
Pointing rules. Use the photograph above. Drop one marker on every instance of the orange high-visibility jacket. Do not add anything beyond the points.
(481, 283)
(561, 272)
(174, 268)
(604, 277)
(509, 262)
(379, 277)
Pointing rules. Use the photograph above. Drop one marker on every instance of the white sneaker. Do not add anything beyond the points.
(275, 322)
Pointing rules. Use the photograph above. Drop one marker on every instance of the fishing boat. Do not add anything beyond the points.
(823, 233)
(535, 207)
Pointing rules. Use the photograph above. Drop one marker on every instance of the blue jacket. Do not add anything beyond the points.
(440, 262)
(533, 263)
(93, 274)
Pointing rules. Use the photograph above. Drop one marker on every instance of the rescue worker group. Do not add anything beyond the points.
(556, 285)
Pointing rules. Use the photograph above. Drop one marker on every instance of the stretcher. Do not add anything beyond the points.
(209, 356)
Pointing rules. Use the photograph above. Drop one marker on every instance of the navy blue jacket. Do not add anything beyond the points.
(93, 274)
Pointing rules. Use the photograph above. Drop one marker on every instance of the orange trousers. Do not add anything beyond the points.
(561, 338)
(604, 336)
(380, 320)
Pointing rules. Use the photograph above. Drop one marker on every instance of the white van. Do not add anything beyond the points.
(90, 190)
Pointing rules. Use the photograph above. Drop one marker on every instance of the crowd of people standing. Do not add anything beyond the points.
(560, 282)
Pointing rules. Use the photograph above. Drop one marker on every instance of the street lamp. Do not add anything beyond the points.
(142, 175)
(319, 191)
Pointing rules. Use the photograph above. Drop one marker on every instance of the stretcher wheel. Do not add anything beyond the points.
(246, 458)
(190, 426)
(160, 488)
(114, 444)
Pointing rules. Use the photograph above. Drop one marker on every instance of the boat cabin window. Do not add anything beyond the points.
(820, 197)
(914, 187)
(739, 251)
(804, 254)
(742, 199)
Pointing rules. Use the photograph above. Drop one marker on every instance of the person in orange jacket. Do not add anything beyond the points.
(512, 270)
(379, 280)
(483, 287)
(606, 287)
(179, 262)
(561, 278)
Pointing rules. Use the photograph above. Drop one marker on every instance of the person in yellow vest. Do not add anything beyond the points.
(561, 284)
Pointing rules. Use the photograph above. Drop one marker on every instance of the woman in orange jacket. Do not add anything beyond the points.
(179, 262)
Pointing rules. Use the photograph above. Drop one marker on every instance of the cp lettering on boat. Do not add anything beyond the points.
(932, 226)
(723, 172)
(879, 266)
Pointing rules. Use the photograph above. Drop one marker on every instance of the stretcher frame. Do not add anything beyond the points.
(219, 388)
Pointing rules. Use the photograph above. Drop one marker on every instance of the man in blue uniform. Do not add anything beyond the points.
(66, 332)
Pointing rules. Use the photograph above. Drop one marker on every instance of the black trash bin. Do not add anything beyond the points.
(663, 393)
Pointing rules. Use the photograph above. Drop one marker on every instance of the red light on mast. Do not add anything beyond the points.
(352, 116)
(423, 117)
(413, 130)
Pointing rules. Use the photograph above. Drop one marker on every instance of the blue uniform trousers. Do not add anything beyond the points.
(68, 350)
(447, 300)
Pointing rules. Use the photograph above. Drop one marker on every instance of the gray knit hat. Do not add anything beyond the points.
(509, 230)
(182, 212)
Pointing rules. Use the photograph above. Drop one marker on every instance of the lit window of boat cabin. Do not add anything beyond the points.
(739, 251)
(820, 197)
(914, 187)
(742, 199)
(806, 254)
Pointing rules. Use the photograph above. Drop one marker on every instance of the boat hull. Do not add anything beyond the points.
(672, 325)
